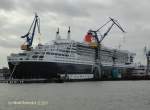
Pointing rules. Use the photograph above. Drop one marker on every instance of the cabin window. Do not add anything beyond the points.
(27, 58)
(23, 54)
(48, 53)
(34, 56)
(41, 56)
(36, 52)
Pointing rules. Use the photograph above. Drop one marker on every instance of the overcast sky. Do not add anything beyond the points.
(17, 15)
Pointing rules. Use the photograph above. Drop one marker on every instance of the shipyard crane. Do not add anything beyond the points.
(94, 33)
(30, 34)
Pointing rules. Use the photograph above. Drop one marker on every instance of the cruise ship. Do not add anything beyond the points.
(66, 58)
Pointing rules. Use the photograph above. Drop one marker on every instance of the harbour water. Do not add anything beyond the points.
(100, 95)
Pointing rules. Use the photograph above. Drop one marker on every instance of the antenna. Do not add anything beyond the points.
(119, 46)
(145, 50)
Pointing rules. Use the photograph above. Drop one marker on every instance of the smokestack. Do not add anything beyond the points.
(57, 34)
(68, 37)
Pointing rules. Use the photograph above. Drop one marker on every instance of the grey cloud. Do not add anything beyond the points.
(9, 43)
(58, 7)
(7, 4)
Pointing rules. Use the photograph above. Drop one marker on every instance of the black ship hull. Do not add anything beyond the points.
(46, 70)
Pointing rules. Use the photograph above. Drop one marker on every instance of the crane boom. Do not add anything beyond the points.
(95, 35)
(105, 34)
(114, 22)
(117, 24)
(30, 34)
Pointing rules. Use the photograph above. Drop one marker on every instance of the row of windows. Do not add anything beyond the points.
(56, 50)
(39, 52)
(35, 56)
(59, 54)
